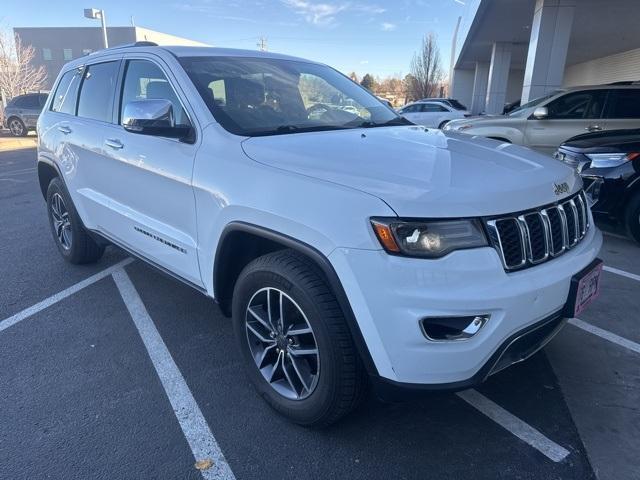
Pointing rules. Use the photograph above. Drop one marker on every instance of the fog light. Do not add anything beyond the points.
(443, 329)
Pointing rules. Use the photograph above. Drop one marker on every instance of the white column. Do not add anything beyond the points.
(498, 77)
(480, 88)
(550, 33)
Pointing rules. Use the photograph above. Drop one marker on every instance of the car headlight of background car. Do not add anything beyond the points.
(457, 128)
(609, 160)
(428, 238)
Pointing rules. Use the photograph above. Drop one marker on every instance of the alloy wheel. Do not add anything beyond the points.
(16, 127)
(282, 343)
(61, 221)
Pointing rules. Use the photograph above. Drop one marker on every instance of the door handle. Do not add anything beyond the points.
(64, 129)
(114, 143)
(593, 128)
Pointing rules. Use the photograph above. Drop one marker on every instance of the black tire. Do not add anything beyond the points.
(341, 381)
(632, 217)
(442, 124)
(81, 248)
(17, 127)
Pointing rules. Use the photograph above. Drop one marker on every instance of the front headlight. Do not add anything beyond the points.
(428, 238)
(456, 128)
(609, 160)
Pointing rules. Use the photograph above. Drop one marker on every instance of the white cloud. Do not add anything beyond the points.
(324, 14)
(316, 13)
(388, 27)
(364, 62)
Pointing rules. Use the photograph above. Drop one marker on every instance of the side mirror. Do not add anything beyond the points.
(540, 113)
(153, 117)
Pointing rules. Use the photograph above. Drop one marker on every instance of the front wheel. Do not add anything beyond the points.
(297, 347)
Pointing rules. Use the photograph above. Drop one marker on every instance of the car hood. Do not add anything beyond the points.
(610, 140)
(420, 172)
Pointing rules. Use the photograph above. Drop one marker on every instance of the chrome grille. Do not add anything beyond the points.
(535, 236)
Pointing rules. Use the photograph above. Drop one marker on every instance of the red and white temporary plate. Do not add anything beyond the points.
(588, 288)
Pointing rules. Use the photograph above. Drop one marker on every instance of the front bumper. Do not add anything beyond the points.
(389, 295)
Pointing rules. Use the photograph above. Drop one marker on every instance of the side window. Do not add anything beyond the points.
(432, 107)
(623, 103)
(145, 81)
(19, 102)
(411, 109)
(64, 100)
(31, 102)
(96, 91)
(577, 105)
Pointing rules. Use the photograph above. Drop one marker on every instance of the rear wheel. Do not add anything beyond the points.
(294, 339)
(16, 127)
(442, 124)
(73, 241)
(632, 217)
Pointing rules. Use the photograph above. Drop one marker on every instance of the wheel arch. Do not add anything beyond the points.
(242, 242)
(47, 171)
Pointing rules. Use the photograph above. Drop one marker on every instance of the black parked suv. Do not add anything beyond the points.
(609, 163)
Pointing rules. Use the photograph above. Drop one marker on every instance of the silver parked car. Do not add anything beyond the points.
(543, 124)
(21, 113)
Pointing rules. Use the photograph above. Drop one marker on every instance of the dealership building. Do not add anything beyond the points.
(55, 46)
(523, 49)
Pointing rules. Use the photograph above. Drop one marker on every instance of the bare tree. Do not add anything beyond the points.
(17, 74)
(426, 69)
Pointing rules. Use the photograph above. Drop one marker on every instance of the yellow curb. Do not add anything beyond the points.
(7, 144)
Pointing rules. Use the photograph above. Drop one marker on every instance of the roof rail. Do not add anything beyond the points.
(145, 43)
(142, 43)
(625, 82)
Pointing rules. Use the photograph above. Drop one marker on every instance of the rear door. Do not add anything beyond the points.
(569, 115)
(82, 136)
(622, 109)
(145, 188)
(434, 114)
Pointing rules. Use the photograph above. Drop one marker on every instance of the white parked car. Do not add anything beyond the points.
(431, 114)
(346, 248)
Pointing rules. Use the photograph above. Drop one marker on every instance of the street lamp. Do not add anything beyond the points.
(96, 13)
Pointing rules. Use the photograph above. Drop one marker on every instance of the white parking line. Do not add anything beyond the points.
(612, 337)
(513, 424)
(194, 427)
(617, 271)
(47, 302)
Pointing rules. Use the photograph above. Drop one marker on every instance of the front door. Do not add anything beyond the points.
(149, 191)
(569, 115)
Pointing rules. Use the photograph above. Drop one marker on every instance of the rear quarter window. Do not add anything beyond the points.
(66, 94)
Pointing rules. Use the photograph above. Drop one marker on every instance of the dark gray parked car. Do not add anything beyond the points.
(21, 113)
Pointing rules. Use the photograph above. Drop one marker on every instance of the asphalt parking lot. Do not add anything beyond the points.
(116, 371)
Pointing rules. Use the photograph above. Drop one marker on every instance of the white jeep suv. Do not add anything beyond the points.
(349, 248)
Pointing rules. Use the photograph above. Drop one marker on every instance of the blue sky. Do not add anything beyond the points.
(378, 37)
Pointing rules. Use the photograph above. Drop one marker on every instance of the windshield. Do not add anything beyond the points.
(516, 112)
(266, 96)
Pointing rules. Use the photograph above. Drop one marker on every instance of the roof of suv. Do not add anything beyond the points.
(186, 51)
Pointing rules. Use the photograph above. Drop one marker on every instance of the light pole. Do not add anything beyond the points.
(96, 13)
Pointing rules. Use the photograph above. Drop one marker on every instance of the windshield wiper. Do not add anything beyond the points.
(284, 129)
(389, 123)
